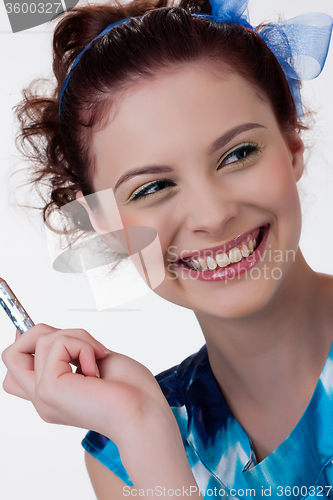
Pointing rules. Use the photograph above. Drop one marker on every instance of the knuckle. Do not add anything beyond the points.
(7, 386)
(43, 327)
(46, 338)
(78, 332)
(6, 356)
(42, 330)
(60, 339)
(81, 332)
(88, 347)
(41, 340)
(45, 416)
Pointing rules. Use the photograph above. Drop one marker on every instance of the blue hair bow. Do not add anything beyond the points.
(300, 44)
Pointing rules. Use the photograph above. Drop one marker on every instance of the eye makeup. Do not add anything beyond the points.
(242, 154)
(143, 191)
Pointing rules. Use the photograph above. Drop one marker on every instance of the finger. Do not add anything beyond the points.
(19, 358)
(21, 368)
(66, 397)
(79, 333)
(27, 369)
(12, 387)
(44, 344)
(26, 342)
(63, 350)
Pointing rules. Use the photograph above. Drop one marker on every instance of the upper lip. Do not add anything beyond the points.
(218, 249)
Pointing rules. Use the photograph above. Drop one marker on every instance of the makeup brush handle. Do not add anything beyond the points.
(14, 308)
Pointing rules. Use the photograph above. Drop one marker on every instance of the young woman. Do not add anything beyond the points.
(190, 118)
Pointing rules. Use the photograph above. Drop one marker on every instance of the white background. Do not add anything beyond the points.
(39, 460)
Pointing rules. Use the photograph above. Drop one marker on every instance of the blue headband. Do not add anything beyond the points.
(300, 44)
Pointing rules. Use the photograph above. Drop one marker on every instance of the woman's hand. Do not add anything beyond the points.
(39, 369)
(109, 393)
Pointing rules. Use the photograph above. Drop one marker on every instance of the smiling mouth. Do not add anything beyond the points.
(238, 253)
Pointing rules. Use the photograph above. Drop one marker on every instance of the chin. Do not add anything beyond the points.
(240, 307)
(231, 300)
(238, 310)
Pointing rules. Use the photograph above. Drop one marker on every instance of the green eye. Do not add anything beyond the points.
(241, 154)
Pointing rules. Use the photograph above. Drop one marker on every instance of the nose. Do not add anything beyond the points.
(209, 208)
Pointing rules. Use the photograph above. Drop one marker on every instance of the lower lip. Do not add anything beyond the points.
(229, 272)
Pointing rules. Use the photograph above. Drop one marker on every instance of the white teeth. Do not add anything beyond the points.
(211, 263)
(203, 264)
(245, 251)
(235, 255)
(222, 259)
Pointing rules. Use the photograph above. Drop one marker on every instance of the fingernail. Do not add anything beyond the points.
(97, 373)
(104, 349)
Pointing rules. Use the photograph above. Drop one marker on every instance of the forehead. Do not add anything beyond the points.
(182, 111)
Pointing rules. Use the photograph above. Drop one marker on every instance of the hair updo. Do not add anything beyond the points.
(156, 38)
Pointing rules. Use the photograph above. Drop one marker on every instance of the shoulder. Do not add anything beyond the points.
(186, 387)
(104, 480)
(176, 382)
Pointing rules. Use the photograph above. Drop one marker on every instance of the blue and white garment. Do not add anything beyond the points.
(219, 450)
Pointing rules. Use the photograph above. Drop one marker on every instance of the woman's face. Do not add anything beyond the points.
(223, 175)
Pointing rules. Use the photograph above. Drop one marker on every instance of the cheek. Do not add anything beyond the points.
(278, 195)
(160, 220)
(281, 189)
(273, 187)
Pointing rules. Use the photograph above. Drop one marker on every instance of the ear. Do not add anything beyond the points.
(116, 240)
(96, 222)
(296, 147)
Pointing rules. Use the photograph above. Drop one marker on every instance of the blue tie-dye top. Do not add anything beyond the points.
(219, 450)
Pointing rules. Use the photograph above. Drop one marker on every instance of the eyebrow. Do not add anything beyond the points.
(154, 169)
(218, 144)
(224, 139)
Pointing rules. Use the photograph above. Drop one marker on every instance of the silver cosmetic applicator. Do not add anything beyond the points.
(14, 308)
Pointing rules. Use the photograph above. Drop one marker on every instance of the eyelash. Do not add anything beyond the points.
(252, 148)
(137, 194)
(253, 151)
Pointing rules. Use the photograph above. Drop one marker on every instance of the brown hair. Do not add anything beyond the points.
(155, 38)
